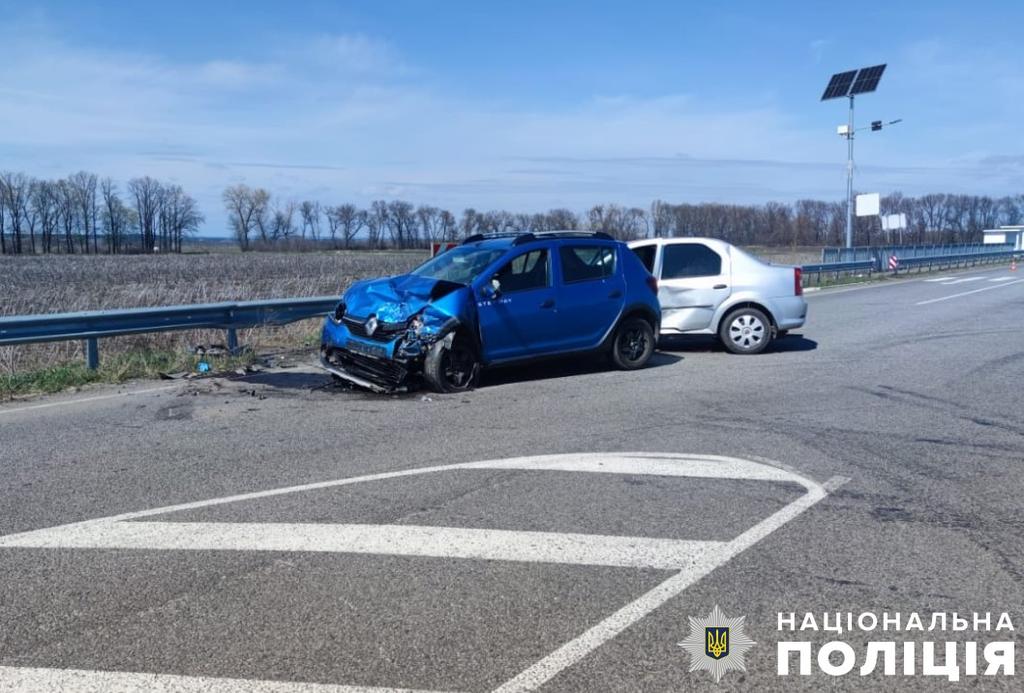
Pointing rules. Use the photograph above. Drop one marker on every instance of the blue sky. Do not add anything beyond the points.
(518, 105)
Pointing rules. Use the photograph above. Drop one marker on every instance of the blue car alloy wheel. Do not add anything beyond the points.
(451, 368)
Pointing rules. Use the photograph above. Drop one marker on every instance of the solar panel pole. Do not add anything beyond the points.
(849, 180)
(848, 84)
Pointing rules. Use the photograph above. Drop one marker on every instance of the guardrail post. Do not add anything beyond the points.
(92, 353)
(232, 340)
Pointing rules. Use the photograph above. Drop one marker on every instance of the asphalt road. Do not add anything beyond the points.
(899, 405)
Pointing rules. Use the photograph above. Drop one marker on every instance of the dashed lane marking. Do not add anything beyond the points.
(968, 293)
(962, 280)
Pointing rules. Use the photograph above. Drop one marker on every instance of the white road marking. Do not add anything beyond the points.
(693, 559)
(383, 540)
(629, 462)
(83, 400)
(829, 291)
(646, 463)
(575, 650)
(1001, 279)
(968, 293)
(38, 680)
(962, 280)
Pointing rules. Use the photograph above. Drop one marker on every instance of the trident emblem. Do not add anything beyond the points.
(717, 642)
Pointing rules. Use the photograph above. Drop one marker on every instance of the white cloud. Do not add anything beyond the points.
(348, 53)
(346, 118)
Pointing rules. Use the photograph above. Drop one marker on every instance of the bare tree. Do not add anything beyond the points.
(431, 227)
(348, 220)
(116, 217)
(378, 223)
(470, 223)
(16, 189)
(245, 208)
(562, 220)
(145, 194)
(44, 202)
(402, 223)
(282, 221)
(310, 213)
(84, 186)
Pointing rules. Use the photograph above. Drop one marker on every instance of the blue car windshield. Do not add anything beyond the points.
(461, 264)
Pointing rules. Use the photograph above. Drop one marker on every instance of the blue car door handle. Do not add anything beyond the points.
(549, 303)
(615, 294)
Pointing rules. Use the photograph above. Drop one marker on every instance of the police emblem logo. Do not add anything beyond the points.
(717, 644)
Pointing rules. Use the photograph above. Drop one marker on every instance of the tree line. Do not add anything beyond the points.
(86, 214)
(89, 215)
(258, 221)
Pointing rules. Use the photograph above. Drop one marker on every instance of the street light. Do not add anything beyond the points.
(849, 84)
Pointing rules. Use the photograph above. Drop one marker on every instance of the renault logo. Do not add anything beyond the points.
(371, 325)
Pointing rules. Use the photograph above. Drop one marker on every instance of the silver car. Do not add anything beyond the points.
(707, 286)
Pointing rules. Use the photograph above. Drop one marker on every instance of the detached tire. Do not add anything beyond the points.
(633, 344)
(451, 369)
(746, 331)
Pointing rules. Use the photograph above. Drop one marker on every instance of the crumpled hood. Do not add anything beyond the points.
(396, 299)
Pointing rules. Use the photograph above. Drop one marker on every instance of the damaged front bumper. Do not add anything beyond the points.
(352, 368)
(388, 365)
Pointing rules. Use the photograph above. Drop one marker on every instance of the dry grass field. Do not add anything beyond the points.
(58, 284)
(787, 255)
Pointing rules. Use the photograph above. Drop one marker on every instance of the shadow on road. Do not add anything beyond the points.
(286, 379)
(698, 343)
(561, 368)
(539, 370)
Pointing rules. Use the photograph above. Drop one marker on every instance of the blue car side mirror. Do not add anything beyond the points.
(491, 290)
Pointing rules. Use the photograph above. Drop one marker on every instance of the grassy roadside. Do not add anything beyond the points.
(116, 369)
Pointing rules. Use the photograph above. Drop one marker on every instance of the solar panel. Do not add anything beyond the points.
(867, 79)
(839, 85)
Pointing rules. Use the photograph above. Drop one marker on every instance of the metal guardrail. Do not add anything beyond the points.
(92, 325)
(957, 260)
(865, 252)
(865, 265)
(880, 263)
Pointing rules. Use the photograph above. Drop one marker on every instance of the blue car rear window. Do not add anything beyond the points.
(584, 262)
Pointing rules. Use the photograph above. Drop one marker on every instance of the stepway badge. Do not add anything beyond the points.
(717, 644)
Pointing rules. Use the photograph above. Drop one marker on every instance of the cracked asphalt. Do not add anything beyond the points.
(916, 402)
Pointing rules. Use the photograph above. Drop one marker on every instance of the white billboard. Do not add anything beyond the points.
(868, 205)
(894, 222)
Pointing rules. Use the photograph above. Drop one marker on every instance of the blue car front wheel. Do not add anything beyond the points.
(451, 367)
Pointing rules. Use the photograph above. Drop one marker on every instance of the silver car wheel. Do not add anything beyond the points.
(747, 331)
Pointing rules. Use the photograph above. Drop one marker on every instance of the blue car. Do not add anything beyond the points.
(494, 300)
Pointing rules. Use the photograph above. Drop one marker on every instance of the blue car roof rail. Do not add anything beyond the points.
(521, 238)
